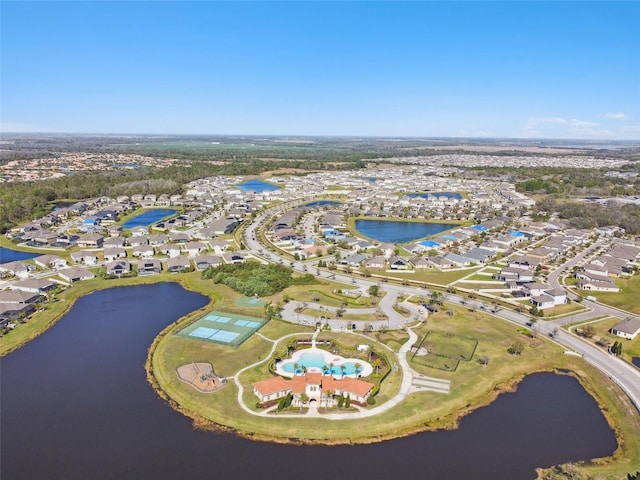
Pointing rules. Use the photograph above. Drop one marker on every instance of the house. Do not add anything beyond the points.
(178, 264)
(139, 240)
(118, 267)
(315, 386)
(388, 249)
(50, 261)
(17, 268)
(84, 257)
(605, 285)
(549, 299)
(158, 239)
(15, 310)
(139, 231)
(441, 262)
(18, 296)
(396, 262)
(458, 260)
(34, 285)
(149, 267)
(115, 241)
(91, 241)
(420, 263)
(194, 248)
(171, 250)
(219, 246)
(378, 261)
(353, 260)
(113, 254)
(76, 274)
(143, 251)
(206, 261)
(179, 237)
(628, 328)
(534, 289)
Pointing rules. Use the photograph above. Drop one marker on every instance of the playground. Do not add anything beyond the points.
(201, 377)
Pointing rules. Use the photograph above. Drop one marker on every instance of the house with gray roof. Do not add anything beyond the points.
(628, 328)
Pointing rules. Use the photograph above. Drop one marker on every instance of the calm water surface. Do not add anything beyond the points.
(149, 217)
(76, 405)
(322, 203)
(435, 194)
(9, 255)
(257, 186)
(399, 231)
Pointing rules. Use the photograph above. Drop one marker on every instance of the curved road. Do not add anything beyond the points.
(623, 374)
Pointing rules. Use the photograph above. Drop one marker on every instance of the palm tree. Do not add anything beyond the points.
(342, 369)
(303, 399)
(325, 369)
(296, 367)
(376, 363)
(358, 367)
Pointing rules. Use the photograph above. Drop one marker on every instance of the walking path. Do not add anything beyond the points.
(411, 382)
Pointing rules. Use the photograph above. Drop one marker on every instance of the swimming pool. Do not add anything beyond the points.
(316, 360)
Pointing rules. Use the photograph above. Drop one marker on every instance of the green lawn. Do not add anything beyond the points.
(630, 348)
(625, 299)
(426, 275)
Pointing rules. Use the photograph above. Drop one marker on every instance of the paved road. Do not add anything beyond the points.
(624, 375)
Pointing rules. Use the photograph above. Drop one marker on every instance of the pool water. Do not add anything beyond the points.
(316, 360)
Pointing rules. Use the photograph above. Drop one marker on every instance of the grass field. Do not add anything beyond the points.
(472, 384)
(626, 298)
(426, 275)
(630, 348)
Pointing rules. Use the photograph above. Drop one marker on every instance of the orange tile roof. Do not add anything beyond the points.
(272, 385)
(298, 384)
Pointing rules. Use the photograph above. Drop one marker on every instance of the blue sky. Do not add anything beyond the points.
(503, 69)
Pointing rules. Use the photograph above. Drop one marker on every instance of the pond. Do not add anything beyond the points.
(322, 203)
(76, 405)
(435, 195)
(257, 186)
(149, 217)
(397, 231)
(9, 255)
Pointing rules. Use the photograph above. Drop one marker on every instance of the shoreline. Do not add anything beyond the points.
(450, 421)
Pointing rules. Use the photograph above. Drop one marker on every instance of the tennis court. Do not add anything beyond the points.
(224, 328)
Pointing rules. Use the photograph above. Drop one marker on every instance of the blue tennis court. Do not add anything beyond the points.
(224, 336)
(203, 332)
(228, 329)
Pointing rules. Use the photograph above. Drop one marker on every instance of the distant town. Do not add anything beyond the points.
(396, 251)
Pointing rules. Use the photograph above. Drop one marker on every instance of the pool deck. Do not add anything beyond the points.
(329, 358)
(407, 386)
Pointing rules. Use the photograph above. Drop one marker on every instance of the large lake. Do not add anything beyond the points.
(76, 405)
(9, 255)
(257, 186)
(398, 231)
(149, 217)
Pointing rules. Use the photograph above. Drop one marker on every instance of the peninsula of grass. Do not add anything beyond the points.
(473, 385)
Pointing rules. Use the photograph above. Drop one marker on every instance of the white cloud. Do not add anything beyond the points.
(617, 116)
(582, 123)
